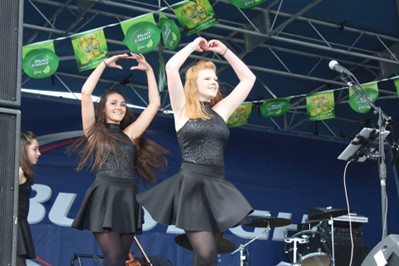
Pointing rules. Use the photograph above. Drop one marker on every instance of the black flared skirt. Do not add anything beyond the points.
(110, 205)
(25, 246)
(197, 198)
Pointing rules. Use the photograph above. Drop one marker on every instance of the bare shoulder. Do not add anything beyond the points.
(22, 178)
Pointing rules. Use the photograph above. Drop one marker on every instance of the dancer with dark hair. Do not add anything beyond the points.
(199, 199)
(28, 156)
(114, 146)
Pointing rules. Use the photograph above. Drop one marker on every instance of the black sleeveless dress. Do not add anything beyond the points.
(198, 197)
(25, 247)
(110, 202)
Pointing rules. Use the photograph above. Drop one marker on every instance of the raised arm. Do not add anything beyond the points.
(175, 85)
(138, 127)
(247, 80)
(89, 86)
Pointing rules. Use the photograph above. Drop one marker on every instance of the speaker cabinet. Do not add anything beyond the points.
(10, 50)
(386, 250)
(343, 254)
(10, 121)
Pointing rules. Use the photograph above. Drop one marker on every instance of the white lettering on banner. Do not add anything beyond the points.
(280, 233)
(149, 222)
(304, 218)
(174, 230)
(60, 209)
(37, 211)
(258, 232)
(59, 215)
(31, 263)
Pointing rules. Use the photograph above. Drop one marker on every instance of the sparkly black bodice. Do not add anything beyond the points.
(203, 141)
(122, 165)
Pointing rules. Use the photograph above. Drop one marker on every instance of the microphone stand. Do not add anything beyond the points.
(383, 121)
(241, 248)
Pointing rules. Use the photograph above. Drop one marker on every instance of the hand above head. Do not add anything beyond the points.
(216, 46)
(201, 44)
(143, 64)
(111, 61)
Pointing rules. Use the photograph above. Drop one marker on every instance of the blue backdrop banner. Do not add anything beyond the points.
(281, 175)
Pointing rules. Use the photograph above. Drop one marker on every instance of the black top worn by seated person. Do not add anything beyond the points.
(199, 197)
(110, 202)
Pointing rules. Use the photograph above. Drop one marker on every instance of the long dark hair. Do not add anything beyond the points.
(24, 162)
(150, 156)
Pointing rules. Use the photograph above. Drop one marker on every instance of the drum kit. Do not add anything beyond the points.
(308, 247)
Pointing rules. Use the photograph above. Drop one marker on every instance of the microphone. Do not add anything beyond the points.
(333, 65)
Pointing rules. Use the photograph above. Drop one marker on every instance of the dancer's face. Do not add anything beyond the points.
(115, 108)
(207, 84)
(33, 152)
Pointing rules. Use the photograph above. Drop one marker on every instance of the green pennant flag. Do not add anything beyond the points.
(195, 16)
(275, 107)
(246, 3)
(396, 82)
(161, 69)
(320, 105)
(170, 32)
(90, 48)
(358, 103)
(240, 115)
(141, 34)
(39, 60)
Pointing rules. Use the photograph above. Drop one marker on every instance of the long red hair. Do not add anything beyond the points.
(194, 107)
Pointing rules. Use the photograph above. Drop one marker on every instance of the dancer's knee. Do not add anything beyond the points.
(206, 258)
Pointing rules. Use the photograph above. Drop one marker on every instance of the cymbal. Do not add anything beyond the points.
(270, 222)
(326, 213)
(225, 246)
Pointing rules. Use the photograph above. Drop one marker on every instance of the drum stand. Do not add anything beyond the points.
(331, 223)
(296, 240)
(243, 257)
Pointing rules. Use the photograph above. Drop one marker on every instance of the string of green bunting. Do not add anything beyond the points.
(141, 35)
(320, 105)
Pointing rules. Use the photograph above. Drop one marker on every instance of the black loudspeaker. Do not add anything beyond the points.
(343, 254)
(10, 50)
(387, 249)
(10, 121)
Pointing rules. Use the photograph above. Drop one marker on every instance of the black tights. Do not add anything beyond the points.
(114, 246)
(204, 245)
(21, 261)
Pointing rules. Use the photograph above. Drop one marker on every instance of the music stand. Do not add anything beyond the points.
(368, 144)
(364, 146)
